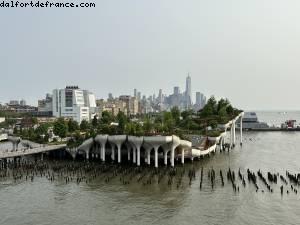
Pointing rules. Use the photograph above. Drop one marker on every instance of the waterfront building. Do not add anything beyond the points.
(72, 102)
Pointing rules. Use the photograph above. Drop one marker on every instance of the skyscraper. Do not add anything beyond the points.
(135, 92)
(110, 96)
(160, 97)
(139, 96)
(200, 101)
(188, 92)
(176, 91)
(198, 98)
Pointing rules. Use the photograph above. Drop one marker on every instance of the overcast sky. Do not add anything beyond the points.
(247, 51)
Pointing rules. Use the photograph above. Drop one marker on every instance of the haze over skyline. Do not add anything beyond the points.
(246, 51)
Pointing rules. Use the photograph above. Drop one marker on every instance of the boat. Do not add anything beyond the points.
(250, 122)
(289, 124)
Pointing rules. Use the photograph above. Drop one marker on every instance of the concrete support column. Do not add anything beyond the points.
(134, 155)
(128, 153)
(42, 157)
(182, 155)
(98, 150)
(148, 156)
(138, 156)
(87, 155)
(234, 133)
(241, 130)
(172, 156)
(119, 153)
(156, 156)
(113, 153)
(222, 143)
(103, 153)
(166, 158)
(231, 136)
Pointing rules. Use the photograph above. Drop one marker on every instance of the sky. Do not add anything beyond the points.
(246, 51)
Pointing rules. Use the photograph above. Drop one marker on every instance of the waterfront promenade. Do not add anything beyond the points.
(30, 151)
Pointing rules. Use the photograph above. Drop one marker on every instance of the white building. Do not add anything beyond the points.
(74, 103)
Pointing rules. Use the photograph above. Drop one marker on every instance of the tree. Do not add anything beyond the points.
(107, 117)
(158, 127)
(207, 111)
(213, 124)
(213, 104)
(130, 129)
(72, 126)
(176, 114)
(15, 132)
(95, 121)
(147, 126)
(222, 103)
(34, 120)
(186, 114)
(122, 120)
(60, 128)
(230, 110)
(42, 129)
(222, 112)
(169, 122)
(30, 133)
(158, 119)
(84, 125)
(139, 130)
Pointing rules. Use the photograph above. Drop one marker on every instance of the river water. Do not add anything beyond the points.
(97, 202)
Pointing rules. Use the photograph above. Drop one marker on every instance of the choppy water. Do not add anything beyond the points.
(44, 202)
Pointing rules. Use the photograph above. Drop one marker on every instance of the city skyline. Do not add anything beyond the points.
(33, 100)
(160, 94)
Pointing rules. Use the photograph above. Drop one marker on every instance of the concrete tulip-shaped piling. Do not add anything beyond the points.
(137, 142)
(86, 146)
(102, 140)
(156, 142)
(117, 140)
(184, 145)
